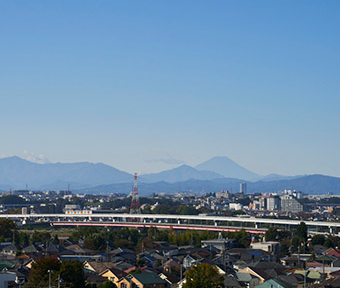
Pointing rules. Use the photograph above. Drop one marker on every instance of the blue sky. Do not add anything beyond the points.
(147, 85)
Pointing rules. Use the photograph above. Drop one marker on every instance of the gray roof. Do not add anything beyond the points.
(30, 248)
(148, 278)
(231, 282)
(243, 277)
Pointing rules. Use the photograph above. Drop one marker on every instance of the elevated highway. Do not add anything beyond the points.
(181, 220)
(158, 225)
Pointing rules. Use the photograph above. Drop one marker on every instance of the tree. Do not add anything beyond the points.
(203, 276)
(7, 227)
(40, 237)
(242, 238)
(301, 231)
(71, 271)
(140, 263)
(123, 243)
(318, 239)
(12, 199)
(21, 239)
(39, 274)
(56, 240)
(332, 241)
(296, 242)
(272, 234)
(95, 242)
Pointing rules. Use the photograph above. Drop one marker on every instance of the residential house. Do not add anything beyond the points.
(231, 282)
(6, 277)
(113, 275)
(29, 249)
(256, 272)
(142, 280)
(98, 267)
(247, 280)
(171, 278)
(9, 250)
(94, 279)
(191, 259)
(269, 246)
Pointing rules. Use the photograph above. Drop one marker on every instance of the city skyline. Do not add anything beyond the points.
(149, 86)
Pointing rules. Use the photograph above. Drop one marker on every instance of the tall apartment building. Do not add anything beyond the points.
(223, 194)
(243, 188)
(290, 204)
(273, 203)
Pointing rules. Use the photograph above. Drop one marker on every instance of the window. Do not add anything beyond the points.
(123, 285)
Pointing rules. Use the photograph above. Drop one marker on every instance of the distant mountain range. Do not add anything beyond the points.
(311, 184)
(213, 175)
(179, 174)
(16, 173)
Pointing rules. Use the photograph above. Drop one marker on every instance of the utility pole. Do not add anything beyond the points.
(181, 272)
(49, 279)
(107, 251)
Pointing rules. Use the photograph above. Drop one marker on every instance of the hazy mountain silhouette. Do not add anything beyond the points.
(311, 184)
(228, 168)
(199, 186)
(179, 174)
(276, 177)
(16, 173)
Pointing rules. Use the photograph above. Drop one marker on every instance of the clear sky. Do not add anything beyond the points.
(147, 85)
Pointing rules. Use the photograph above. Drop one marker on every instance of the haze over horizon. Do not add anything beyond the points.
(148, 86)
(223, 162)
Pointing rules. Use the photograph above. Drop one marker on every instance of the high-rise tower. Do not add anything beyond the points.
(135, 205)
(243, 188)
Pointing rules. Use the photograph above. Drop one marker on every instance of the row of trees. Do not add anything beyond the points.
(100, 238)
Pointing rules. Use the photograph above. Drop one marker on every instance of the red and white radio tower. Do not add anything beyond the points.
(135, 205)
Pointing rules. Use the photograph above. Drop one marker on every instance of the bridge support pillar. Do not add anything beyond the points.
(178, 222)
(331, 231)
(256, 226)
(216, 223)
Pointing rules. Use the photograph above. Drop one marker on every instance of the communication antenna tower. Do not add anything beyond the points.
(135, 205)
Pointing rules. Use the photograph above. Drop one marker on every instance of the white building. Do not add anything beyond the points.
(270, 246)
(235, 206)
